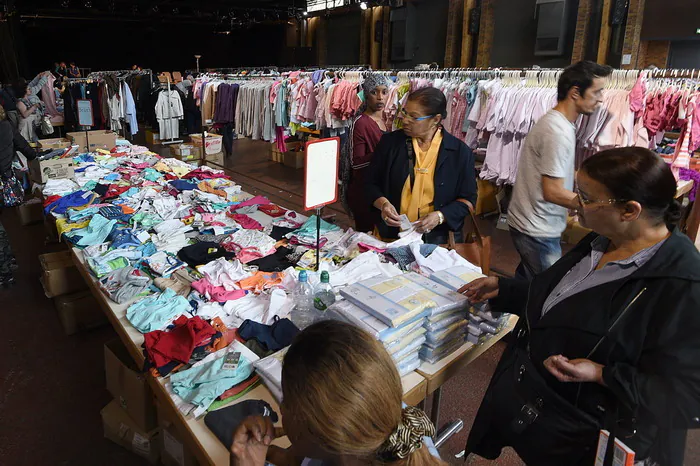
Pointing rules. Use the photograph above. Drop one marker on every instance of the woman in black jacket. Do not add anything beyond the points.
(422, 171)
(10, 142)
(609, 337)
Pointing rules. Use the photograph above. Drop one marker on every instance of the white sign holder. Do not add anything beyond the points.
(321, 180)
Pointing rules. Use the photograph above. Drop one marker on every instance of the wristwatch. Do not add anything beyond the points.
(442, 217)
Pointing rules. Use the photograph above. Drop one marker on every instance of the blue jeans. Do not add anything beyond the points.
(536, 254)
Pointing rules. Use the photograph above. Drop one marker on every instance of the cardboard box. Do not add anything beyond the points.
(42, 170)
(31, 212)
(217, 159)
(294, 159)
(152, 138)
(79, 311)
(55, 143)
(214, 142)
(128, 386)
(122, 430)
(99, 139)
(60, 276)
(291, 146)
(174, 452)
(186, 152)
(574, 232)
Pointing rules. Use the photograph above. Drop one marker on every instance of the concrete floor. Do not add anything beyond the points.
(52, 386)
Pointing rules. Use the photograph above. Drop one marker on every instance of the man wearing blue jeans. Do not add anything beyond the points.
(543, 191)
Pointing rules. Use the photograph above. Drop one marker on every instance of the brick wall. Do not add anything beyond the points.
(486, 28)
(655, 53)
(582, 30)
(633, 32)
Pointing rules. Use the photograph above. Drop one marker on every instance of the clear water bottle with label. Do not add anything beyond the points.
(323, 294)
(303, 313)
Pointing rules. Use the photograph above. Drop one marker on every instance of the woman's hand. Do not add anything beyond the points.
(574, 370)
(251, 441)
(390, 216)
(427, 223)
(480, 289)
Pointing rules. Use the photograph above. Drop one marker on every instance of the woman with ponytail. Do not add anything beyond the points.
(609, 336)
(342, 405)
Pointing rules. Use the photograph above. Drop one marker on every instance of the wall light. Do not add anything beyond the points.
(363, 5)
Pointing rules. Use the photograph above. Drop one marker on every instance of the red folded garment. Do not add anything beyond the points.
(178, 343)
(273, 210)
(255, 378)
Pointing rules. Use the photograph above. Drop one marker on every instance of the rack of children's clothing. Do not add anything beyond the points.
(115, 97)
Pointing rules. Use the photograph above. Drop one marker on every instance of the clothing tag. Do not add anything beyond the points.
(141, 444)
(212, 250)
(143, 236)
(87, 194)
(219, 230)
(231, 361)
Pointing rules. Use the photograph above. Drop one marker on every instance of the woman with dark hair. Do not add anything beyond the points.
(30, 107)
(423, 172)
(366, 132)
(609, 336)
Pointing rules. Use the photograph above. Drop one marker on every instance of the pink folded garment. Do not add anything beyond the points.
(217, 293)
(368, 247)
(246, 222)
(251, 254)
(257, 200)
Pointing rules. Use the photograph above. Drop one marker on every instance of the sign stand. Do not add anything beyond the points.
(321, 180)
(85, 118)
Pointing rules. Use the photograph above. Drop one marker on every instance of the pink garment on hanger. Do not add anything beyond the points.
(49, 99)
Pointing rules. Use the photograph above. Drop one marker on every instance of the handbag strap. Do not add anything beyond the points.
(474, 224)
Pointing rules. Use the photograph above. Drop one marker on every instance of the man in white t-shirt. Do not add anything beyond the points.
(543, 191)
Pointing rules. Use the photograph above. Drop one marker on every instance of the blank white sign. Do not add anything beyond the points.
(321, 170)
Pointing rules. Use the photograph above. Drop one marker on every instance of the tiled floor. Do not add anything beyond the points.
(52, 385)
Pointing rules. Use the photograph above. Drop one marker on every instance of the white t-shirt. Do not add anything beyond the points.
(550, 150)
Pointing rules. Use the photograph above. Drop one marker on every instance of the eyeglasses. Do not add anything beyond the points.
(406, 115)
(585, 201)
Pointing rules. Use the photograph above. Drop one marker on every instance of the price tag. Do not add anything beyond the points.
(405, 223)
(219, 230)
(231, 361)
(143, 236)
(141, 444)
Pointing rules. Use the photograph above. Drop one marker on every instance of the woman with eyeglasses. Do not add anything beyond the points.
(422, 172)
(609, 336)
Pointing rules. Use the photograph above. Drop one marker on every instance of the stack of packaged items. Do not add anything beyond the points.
(397, 311)
(482, 322)
(446, 325)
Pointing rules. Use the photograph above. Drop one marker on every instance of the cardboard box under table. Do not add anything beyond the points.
(79, 311)
(128, 386)
(121, 429)
(31, 212)
(59, 274)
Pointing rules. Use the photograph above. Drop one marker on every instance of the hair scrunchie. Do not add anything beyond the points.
(408, 435)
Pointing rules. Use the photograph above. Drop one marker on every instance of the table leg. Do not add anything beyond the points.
(454, 427)
(435, 410)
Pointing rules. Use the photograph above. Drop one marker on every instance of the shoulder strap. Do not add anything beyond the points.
(411, 160)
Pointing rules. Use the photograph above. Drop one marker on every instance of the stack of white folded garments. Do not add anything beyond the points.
(394, 310)
(446, 326)
(482, 322)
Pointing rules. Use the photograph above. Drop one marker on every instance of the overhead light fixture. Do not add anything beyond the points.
(306, 13)
(363, 5)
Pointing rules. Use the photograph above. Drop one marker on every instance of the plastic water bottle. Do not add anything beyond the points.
(303, 313)
(323, 294)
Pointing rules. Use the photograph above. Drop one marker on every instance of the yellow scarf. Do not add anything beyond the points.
(419, 202)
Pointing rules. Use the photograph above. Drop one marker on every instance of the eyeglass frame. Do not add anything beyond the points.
(586, 202)
(423, 118)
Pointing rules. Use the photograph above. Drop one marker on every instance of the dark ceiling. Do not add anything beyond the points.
(233, 12)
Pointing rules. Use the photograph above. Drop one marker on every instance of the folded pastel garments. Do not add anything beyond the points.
(96, 232)
(124, 284)
(115, 259)
(157, 311)
(205, 382)
(217, 293)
